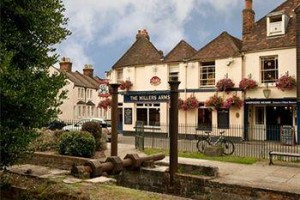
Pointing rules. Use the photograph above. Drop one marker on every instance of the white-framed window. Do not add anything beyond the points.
(207, 74)
(174, 72)
(259, 115)
(79, 111)
(277, 23)
(269, 69)
(149, 114)
(92, 111)
(88, 111)
(89, 93)
(119, 75)
(83, 111)
(80, 93)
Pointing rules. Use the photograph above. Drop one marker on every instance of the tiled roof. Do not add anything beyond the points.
(258, 40)
(81, 80)
(180, 52)
(223, 46)
(142, 52)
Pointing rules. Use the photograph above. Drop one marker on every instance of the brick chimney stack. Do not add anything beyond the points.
(65, 64)
(248, 18)
(142, 33)
(88, 71)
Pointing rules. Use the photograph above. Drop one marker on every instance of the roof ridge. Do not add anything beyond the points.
(176, 48)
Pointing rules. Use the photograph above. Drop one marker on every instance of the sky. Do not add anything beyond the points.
(103, 30)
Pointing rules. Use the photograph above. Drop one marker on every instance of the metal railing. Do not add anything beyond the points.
(257, 142)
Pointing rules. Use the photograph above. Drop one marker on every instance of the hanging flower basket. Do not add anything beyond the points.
(247, 84)
(125, 85)
(225, 85)
(233, 101)
(189, 104)
(286, 82)
(105, 104)
(214, 101)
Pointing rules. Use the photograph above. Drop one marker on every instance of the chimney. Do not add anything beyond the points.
(65, 64)
(142, 34)
(88, 71)
(248, 18)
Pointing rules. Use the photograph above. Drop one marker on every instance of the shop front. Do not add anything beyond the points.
(265, 119)
(148, 107)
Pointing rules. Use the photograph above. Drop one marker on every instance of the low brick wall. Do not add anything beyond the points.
(55, 161)
(196, 186)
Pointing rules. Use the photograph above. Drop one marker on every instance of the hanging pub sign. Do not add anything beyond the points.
(129, 98)
(155, 80)
(103, 90)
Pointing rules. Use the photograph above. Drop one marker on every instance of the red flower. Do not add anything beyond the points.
(247, 84)
(214, 101)
(189, 104)
(224, 85)
(105, 103)
(125, 85)
(234, 101)
(286, 82)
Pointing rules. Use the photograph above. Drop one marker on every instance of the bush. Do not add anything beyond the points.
(95, 129)
(46, 141)
(77, 143)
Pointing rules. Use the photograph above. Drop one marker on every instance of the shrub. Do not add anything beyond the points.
(95, 129)
(45, 141)
(77, 143)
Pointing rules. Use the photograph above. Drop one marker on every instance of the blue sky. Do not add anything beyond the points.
(103, 30)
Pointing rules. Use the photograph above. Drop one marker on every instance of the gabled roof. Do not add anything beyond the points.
(180, 52)
(258, 39)
(81, 80)
(142, 52)
(223, 46)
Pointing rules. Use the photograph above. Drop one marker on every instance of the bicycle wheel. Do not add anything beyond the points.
(201, 145)
(228, 147)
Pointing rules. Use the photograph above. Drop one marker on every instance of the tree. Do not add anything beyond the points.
(30, 96)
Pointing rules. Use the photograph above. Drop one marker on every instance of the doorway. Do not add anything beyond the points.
(276, 116)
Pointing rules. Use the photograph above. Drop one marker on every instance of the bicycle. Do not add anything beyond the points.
(227, 145)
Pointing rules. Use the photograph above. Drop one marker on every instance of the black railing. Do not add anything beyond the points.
(260, 140)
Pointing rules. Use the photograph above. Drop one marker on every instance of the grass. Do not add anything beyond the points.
(196, 155)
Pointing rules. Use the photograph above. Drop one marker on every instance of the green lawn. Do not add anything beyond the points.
(196, 155)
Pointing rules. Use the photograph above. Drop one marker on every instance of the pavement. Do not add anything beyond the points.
(282, 176)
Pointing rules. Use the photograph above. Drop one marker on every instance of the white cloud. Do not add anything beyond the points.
(77, 55)
(104, 22)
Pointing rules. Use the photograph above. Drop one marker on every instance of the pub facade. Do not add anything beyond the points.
(230, 82)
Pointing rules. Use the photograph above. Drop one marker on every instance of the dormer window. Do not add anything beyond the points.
(277, 23)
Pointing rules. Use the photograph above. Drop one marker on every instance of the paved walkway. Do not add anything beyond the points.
(283, 177)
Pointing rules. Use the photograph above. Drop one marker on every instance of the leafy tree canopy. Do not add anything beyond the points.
(30, 96)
